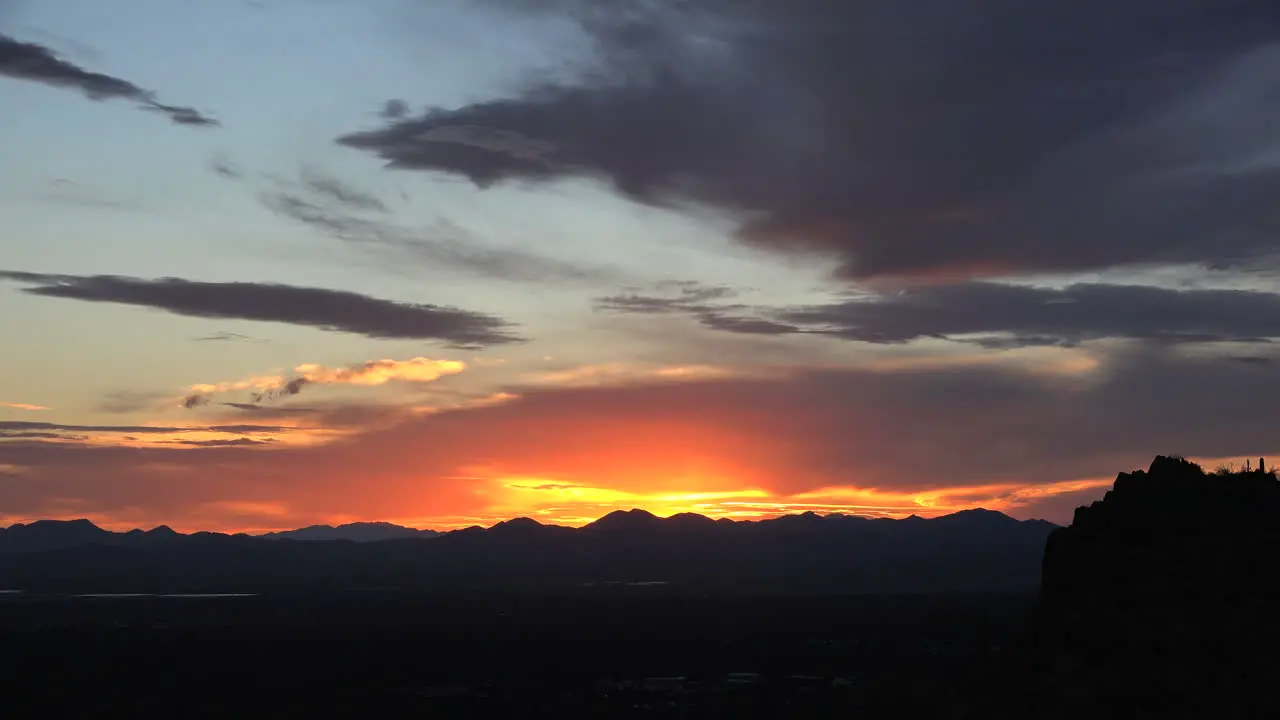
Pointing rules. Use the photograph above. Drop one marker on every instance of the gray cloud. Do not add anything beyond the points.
(1035, 316)
(36, 63)
(678, 297)
(394, 109)
(1002, 316)
(224, 167)
(129, 401)
(238, 442)
(227, 337)
(331, 310)
(337, 191)
(920, 138)
(13, 428)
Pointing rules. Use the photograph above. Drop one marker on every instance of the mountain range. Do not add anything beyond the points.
(970, 550)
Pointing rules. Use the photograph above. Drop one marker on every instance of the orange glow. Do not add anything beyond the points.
(740, 449)
(22, 406)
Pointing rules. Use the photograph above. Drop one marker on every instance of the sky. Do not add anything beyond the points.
(273, 263)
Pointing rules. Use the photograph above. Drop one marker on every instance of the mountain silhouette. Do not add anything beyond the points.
(686, 552)
(1159, 601)
(44, 535)
(626, 520)
(355, 532)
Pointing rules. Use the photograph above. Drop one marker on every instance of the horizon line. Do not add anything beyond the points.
(459, 528)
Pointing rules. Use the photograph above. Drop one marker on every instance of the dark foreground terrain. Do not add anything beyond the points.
(636, 652)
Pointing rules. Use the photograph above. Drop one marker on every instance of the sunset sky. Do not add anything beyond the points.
(270, 263)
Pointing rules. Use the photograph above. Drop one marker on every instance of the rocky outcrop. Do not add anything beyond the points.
(1160, 600)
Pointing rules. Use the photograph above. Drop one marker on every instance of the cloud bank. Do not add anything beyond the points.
(915, 140)
(996, 314)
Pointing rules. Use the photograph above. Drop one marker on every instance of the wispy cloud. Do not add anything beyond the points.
(331, 310)
(995, 315)
(335, 190)
(226, 337)
(37, 63)
(360, 219)
(13, 426)
(22, 406)
(370, 373)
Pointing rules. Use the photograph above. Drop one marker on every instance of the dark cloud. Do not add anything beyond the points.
(194, 400)
(394, 109)
(246, 429)
(1037, 316)
(39, 435)
(920, 138)
(331, 310)
(10, 428)
(293, 387)
(36, 63)
(247, 407)
(1002, 316)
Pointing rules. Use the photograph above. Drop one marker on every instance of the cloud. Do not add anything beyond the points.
(8, 428)
(344, 214)
(22, 406)
(68, 192)
(617, 374)
(337, 191)
(832, 439)
(1001, 315)
(222, 166)
(917, 140)
(379, 372)
(226, 337)
(123, 402)
(688, 297)
(238, 442)
(394, 109)
(370, 373)
(330, 310)
(36, 63)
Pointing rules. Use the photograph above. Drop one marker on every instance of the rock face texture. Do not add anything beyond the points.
(1160, 600)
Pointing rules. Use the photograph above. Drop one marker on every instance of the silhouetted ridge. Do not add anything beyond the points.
(626, 520)
(519, 526)
(43, 535)
(690, 520)
(1159, 601)
(805, 553)
(354, 532)
(1172, 527)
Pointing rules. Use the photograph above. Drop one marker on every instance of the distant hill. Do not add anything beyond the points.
(355, 532)
(970, 551)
